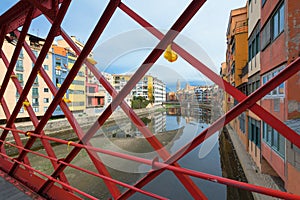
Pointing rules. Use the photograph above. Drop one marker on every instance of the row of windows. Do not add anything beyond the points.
(254, 131)
(253, 86)
(277, 92)
(254, 47)
(81, 103)
(273, 28)
(76, 92)
(275, 140)
(242, 119)
(254, 42)
(35, 109)
(20, 68)
(77, 82)
(35, 52)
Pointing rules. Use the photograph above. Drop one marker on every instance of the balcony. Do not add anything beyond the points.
(241, 27)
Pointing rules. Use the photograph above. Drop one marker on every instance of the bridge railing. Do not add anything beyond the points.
(56, 185)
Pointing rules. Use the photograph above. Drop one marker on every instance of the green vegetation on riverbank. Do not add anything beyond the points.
(172, 105)
(139, 102)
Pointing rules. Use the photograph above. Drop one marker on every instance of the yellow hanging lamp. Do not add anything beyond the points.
(170, 55)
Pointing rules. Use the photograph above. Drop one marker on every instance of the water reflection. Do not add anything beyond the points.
(173, 128)
(198, 114)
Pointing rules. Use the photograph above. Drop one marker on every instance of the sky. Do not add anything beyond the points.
(124, 44)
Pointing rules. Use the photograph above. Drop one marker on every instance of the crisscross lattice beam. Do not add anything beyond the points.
(54, 10)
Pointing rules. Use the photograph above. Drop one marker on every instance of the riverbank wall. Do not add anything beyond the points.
(61, 128)
(250, 169)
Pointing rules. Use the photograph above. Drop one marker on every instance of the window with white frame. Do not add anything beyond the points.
(277, 92)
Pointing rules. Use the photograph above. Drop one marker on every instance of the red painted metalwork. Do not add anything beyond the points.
(155, 165)
(237, 94)
(158, 147)
(73, 122)
(54, 29)
(24, 93)
(21, 15)
(2, 34)
(191, 187)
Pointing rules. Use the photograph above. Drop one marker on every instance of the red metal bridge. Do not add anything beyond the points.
(56, 185)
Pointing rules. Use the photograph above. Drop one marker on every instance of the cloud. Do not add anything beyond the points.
(125, 52)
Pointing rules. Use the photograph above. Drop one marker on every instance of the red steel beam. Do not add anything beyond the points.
(12, 64)
(33, 118)
(266, 116)
(15, 134)
(159, 165)
(79, 168)
(225, 119)
(7, 113)
(47, 176)
(237, 94)
(155, 54)
(15, 55)
(3, 28)
(70, 117)
(73, 72)
(248, 102)
(271, 90)
(32, 77)
(15, 16)
(48, 8)
(36, 67)
(154, 142)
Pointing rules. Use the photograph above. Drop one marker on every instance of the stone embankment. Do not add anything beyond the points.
(61, 128)
(251, 172)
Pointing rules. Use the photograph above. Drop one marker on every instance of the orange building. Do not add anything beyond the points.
(236, 60)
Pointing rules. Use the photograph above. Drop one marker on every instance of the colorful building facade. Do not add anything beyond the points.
(273, 43)
(149, 87)
(77, 90)
(236, 61)
(280, 40)
(59, 72)
(39, 96)
(254, 122)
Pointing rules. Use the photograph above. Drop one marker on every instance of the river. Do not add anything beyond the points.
(174, 128)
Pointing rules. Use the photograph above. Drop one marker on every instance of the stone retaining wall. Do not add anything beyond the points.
(61, 128)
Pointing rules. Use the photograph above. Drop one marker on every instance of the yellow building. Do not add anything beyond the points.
(77, 90)
(77, 93)
(149, 87)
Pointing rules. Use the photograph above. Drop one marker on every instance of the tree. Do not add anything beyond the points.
(139, 102)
